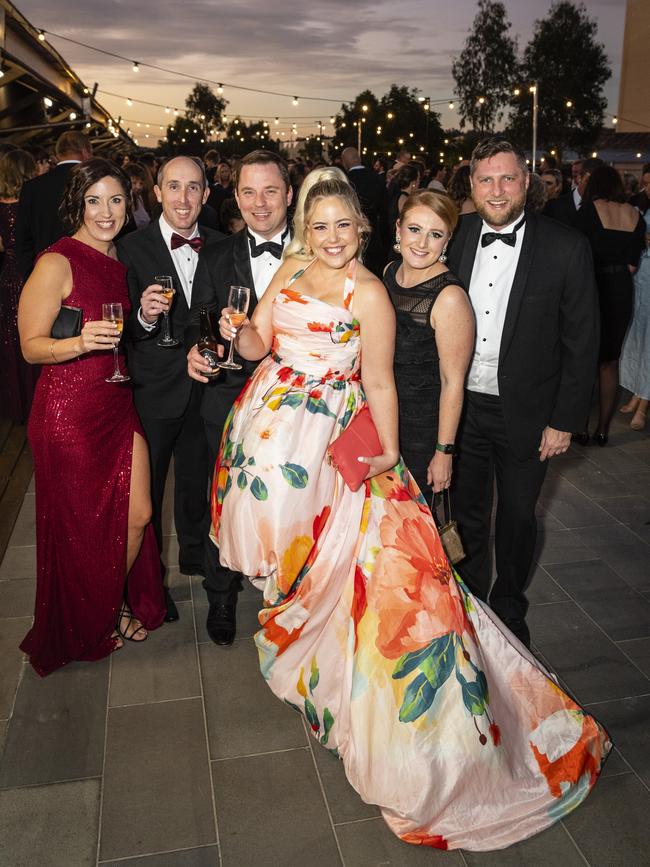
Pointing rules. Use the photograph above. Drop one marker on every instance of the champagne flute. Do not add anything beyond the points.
(113, 313)
(167, 291)
(238, 299)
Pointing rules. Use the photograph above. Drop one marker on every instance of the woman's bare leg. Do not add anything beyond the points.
(138, 518)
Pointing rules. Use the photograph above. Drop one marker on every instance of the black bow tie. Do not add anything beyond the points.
(509, 238)
(271, 247)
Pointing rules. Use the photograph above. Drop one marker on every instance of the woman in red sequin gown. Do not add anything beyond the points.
(90, 456)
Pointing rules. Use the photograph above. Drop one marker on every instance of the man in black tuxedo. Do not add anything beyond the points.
(167, 401)
(37, 217)
(249, 258)
(531, 284)
(565, 208)
(373, 199)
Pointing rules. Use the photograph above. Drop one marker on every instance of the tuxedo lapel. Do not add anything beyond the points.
(469, 251)
(518, 284)
(242, 267)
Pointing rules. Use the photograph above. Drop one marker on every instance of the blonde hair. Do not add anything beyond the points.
(438, 202)
(325, 173)
(16, 167)
(337, 189)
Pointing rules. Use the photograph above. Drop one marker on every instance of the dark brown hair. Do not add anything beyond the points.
(605, 183)
(262, 157)
(16, 167)
(82, 177)
(492, 146)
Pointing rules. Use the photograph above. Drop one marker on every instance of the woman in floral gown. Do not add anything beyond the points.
(439, 714)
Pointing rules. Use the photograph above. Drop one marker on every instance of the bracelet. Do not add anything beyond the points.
(54, 358)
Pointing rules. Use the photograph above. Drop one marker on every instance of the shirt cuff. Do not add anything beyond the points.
(148, 326)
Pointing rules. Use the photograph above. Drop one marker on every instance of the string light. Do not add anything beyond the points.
(47, 102)
(41, 35)
(569, 103)
(136, 66)
(129, 102)
(294, 101)
(220, 89)
(73, 115)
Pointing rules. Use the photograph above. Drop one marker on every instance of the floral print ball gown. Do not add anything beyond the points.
(439, 714)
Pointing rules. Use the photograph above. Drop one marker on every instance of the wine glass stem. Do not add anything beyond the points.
(231, 350)
(116, 372)
(165, 326)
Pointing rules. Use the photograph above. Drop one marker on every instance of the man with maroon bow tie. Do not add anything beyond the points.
(167, 401)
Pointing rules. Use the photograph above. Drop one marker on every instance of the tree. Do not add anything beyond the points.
(399, 119)
(486, 70)
(571, 68)
(204, 108)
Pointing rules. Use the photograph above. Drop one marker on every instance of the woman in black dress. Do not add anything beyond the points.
(434, 341)
(616, 232)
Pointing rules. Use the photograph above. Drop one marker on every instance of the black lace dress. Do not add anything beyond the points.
(417, 369)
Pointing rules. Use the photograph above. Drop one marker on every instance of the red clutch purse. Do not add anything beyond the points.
(358, 440)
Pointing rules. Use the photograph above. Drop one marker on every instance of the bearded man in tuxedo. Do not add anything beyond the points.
(532, 287)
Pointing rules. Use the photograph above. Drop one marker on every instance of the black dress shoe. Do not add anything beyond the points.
(191, 569)
(221, 623)
(520, 629)
(601, 439)
(172, 611)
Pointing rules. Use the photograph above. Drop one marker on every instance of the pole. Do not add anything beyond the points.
(535, 105)
(359, 135)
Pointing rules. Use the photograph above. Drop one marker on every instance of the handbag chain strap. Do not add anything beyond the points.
(446, 505)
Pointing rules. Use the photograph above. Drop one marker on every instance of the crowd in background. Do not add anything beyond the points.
(555, 190)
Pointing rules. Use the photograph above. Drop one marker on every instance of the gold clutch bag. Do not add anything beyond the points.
(448, 529)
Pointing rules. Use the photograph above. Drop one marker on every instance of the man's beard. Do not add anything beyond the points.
(501, 218)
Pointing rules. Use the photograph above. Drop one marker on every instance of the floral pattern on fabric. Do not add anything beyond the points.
(367, 631)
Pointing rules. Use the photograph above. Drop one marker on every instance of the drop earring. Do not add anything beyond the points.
(443, 256)
(396, 245)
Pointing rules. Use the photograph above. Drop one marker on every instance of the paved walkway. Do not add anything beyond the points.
(175, 754)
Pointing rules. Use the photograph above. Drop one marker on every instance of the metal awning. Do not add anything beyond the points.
(40, 94)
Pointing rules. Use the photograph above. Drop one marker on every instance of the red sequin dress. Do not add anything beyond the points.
(81, 433)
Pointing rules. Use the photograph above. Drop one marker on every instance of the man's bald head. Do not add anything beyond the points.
(350, 158)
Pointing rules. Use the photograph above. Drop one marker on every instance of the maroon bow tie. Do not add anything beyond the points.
(195, 243)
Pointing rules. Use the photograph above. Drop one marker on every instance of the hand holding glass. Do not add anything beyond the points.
(113, 313)
(238, 299)
(167, 291)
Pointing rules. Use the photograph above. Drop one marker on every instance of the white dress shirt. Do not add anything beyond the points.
(264, 266)
(489, 291)
(577, 198)
(185, 260)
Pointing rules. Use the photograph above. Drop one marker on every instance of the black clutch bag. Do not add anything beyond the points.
(67, 323)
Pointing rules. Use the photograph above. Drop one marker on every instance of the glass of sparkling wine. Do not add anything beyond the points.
(238, 299)
(113, 313)
(167, 291)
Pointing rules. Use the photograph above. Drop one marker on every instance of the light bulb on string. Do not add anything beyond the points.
(136, 66)
(294, 101)
(220, 89)
(41, 35)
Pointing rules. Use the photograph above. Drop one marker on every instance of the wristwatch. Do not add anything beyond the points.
(446, 448)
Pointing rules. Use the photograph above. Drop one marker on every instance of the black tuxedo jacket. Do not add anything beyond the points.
(162, 387)
(373, 199)
(549, 345)
(38, 224)
(221, 266)
(563, 209)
